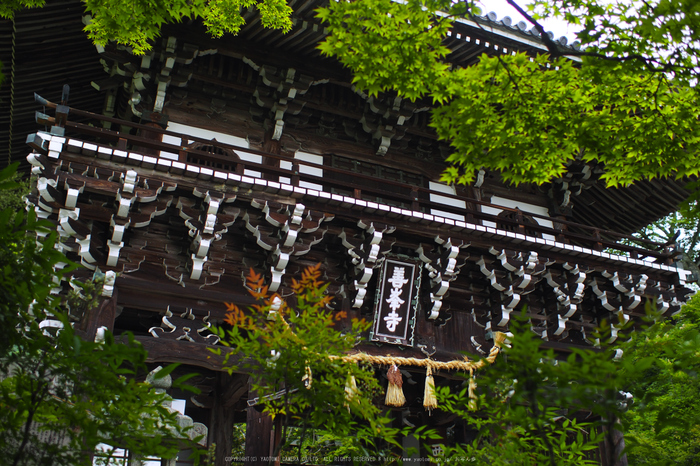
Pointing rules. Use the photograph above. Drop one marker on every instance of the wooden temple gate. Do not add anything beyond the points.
(255, 152)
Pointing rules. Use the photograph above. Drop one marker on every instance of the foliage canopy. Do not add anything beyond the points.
(296, 355)
(620, 103)
(626, 102)
(663, 424)
(538, 407)
(136, 23)
(60, 395)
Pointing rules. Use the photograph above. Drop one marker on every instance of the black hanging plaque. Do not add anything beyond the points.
(396, 302)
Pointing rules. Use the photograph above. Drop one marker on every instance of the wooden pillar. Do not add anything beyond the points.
(561, 228)
(611, 448)
(273, 147)
(262, 435)
(227, 392)
(101, 316)
(157, 121)
(617, 446)
(259, 438)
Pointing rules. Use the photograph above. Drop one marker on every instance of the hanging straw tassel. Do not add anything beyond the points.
(472, 391)
(350, 390)
(307, 379)
(394, 393)
(350, 387)
(429, 400)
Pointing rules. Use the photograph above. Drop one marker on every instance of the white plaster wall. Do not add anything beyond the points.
(207, 134)
(443, 188)
(305, 169)
(524, 206)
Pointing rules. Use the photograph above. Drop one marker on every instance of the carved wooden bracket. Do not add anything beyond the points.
(206, 224)
(135, 207)
(568, 285)
(442, 266)
(294, 231)
(185, 326)
(384, 118)
(512, 275)
(277, 90)
(366, 253)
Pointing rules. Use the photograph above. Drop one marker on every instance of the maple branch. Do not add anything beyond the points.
(554, 50)
(501, 61)
(548, 42)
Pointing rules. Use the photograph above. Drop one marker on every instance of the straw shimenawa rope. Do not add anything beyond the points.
(394, 392)
(464, 365)
(395, 395)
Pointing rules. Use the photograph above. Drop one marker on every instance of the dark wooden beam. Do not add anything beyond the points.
(194, 354)
(101, 316)
(259, 438)
(157, 294)
(227, 391)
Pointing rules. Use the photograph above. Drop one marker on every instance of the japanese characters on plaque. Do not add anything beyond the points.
(396, 301)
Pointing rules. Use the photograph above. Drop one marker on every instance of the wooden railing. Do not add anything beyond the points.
(416, 198)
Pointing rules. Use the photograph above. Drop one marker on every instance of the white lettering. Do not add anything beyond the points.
(395, 302)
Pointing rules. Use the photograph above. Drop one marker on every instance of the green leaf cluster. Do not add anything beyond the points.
(663, 424)
(137, 23)
(295, 353)
(8, 8)
(654, 35)
(679, 230)
(535, 407)
(406, 37)
(54, 384)
(28, 268)
(83, 393)
(527, 116)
